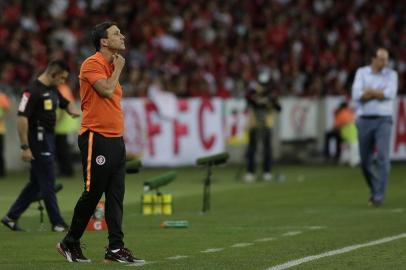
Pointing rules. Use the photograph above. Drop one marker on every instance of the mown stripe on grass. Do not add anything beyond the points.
(139, 264)
(293, 263)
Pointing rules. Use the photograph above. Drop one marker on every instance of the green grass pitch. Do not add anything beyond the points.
(250, 226)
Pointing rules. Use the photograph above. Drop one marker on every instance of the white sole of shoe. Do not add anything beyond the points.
(67, 255)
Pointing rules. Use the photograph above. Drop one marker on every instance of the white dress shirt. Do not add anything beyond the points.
(386, 80)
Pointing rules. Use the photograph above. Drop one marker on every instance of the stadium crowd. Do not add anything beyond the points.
(208, 48)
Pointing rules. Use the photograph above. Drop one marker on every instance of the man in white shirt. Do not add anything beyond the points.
(374, 91)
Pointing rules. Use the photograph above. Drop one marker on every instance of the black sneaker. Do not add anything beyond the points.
(11, 224)
(121, 255)
(72, 252)
(63, 227)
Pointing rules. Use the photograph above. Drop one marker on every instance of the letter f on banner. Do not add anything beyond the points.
(153, 129)
(179, 129)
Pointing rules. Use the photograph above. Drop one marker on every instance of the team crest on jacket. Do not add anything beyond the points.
(100, 160)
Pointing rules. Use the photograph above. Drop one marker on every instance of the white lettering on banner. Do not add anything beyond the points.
(196, 131)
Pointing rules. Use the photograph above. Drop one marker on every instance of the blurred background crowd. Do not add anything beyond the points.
(208, 48)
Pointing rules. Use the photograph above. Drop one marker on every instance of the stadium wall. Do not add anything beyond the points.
(197, 127)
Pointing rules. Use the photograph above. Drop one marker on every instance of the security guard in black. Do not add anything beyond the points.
(39, 103)
(35, 124)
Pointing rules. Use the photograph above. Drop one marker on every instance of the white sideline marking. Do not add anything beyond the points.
(292, 233)
(238, 245)
(139, 264)
(293, 263)
(397, 210)
(267, 239)
(315, 227)
(177, 257)
(211, 250)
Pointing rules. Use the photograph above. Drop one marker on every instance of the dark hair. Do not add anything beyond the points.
(99, 32)
(57, 66)
(343, 105)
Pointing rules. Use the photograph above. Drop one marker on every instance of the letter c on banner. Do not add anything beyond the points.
(206, 141)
